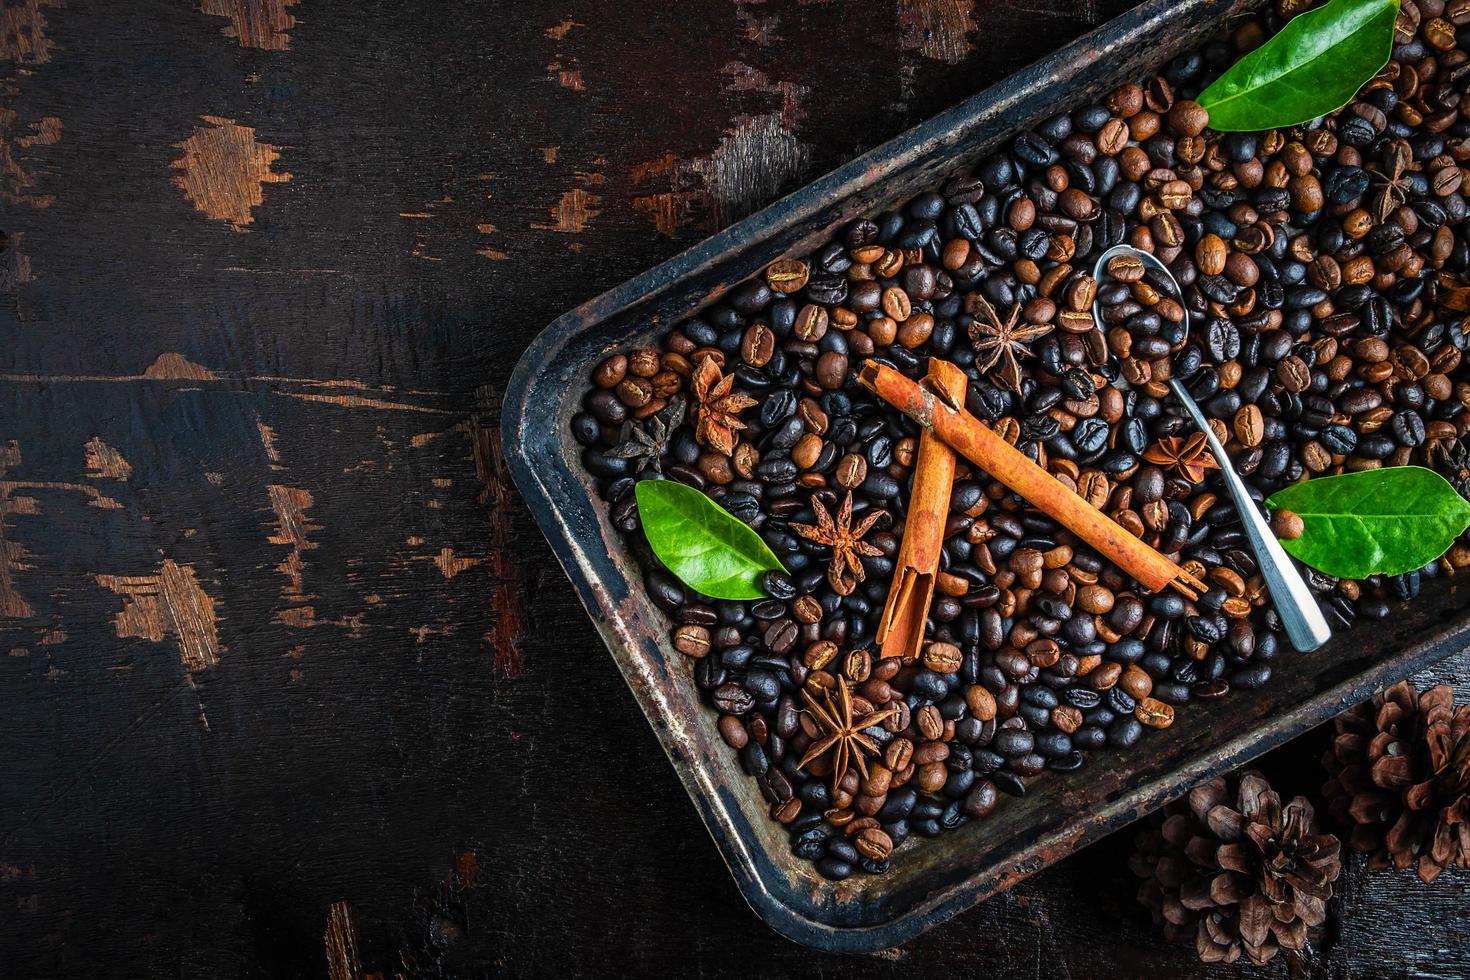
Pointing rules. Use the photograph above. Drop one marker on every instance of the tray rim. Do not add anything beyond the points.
(744, 858)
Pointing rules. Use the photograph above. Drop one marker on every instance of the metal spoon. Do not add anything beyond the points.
(1302, 619)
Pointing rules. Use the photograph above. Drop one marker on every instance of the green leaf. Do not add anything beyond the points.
(1314, 65)
(1377, 522)
(709, 549)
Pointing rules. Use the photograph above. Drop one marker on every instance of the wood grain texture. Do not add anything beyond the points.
(291, 686)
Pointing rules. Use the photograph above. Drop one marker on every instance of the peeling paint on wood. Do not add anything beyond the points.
(937, 29)
(789, 96)
(507, 595)
(255, 23)
(18, 181)
(104, 462)
(450, 565)
(170, 602)
(27, 505)
(223, 171)
(357, 401)
(176, 367)
(754, 162)
(47, 132)
(12, 604)
(493, 254)
(268, 444)
(344, 962)
(293, 528)
(572, 212)
(23, 31)
(668, 210)
(673, 209)
(569, 78)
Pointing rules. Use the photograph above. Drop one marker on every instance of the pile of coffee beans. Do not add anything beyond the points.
(1324, 268)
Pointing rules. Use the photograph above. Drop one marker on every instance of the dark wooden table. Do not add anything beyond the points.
(289, 684)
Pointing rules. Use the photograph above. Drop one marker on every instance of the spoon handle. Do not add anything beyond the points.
(1301, 617)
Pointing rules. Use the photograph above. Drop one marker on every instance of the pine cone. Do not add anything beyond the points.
(1235, 871)
(1399, 776)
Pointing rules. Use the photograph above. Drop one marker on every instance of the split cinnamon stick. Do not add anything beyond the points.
(947, 419)
(901, 628)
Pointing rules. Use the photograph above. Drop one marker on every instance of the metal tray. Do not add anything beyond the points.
(930, 880)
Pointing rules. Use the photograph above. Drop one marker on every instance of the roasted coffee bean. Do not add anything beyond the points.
(787, 275)
(732, 699)
(692, 641)
(1318, 268)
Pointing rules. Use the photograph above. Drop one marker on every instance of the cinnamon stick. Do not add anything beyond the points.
(947, 419)
(901, 628)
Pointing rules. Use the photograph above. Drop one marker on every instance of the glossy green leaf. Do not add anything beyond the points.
(709, 549)
(1377, 522)
(1314, 65)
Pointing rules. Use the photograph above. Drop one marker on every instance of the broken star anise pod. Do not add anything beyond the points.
(842, 731)
(1189, 456)
(717, 417)
(846, 541)
(1391, 183)
(645, 443)
(998, 344)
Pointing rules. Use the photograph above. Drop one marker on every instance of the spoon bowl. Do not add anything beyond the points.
(1301, 617)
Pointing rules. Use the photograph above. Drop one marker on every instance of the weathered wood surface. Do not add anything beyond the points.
(289, 685)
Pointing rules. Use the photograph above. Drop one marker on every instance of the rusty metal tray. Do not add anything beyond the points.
(930, 880)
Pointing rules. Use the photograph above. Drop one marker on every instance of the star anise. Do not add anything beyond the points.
(1001, 344)
(719, 407)
(846, 541)
(842, 733)
(1391, 182)
(1188, 456)
(644, 443)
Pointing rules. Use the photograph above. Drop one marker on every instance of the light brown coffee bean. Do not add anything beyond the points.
(898, 755)
(932, 777)
(732, 730)
(896, 304)
(1293, 374)
(811, 323)
(1188, 118)
(852, 470)
(1154, 713)
(943, 658)
(858, 665)
(787, 275)
(929, 722)
(819, 654)
(1135, 681)
(1249, 426)
(873, 843)
(1287, 525)
(807, 450)
(980, 702)
(757, 345)
(1126, 268)
(915, 330)
(806, 609)
(1066, 718)
(611, 372)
